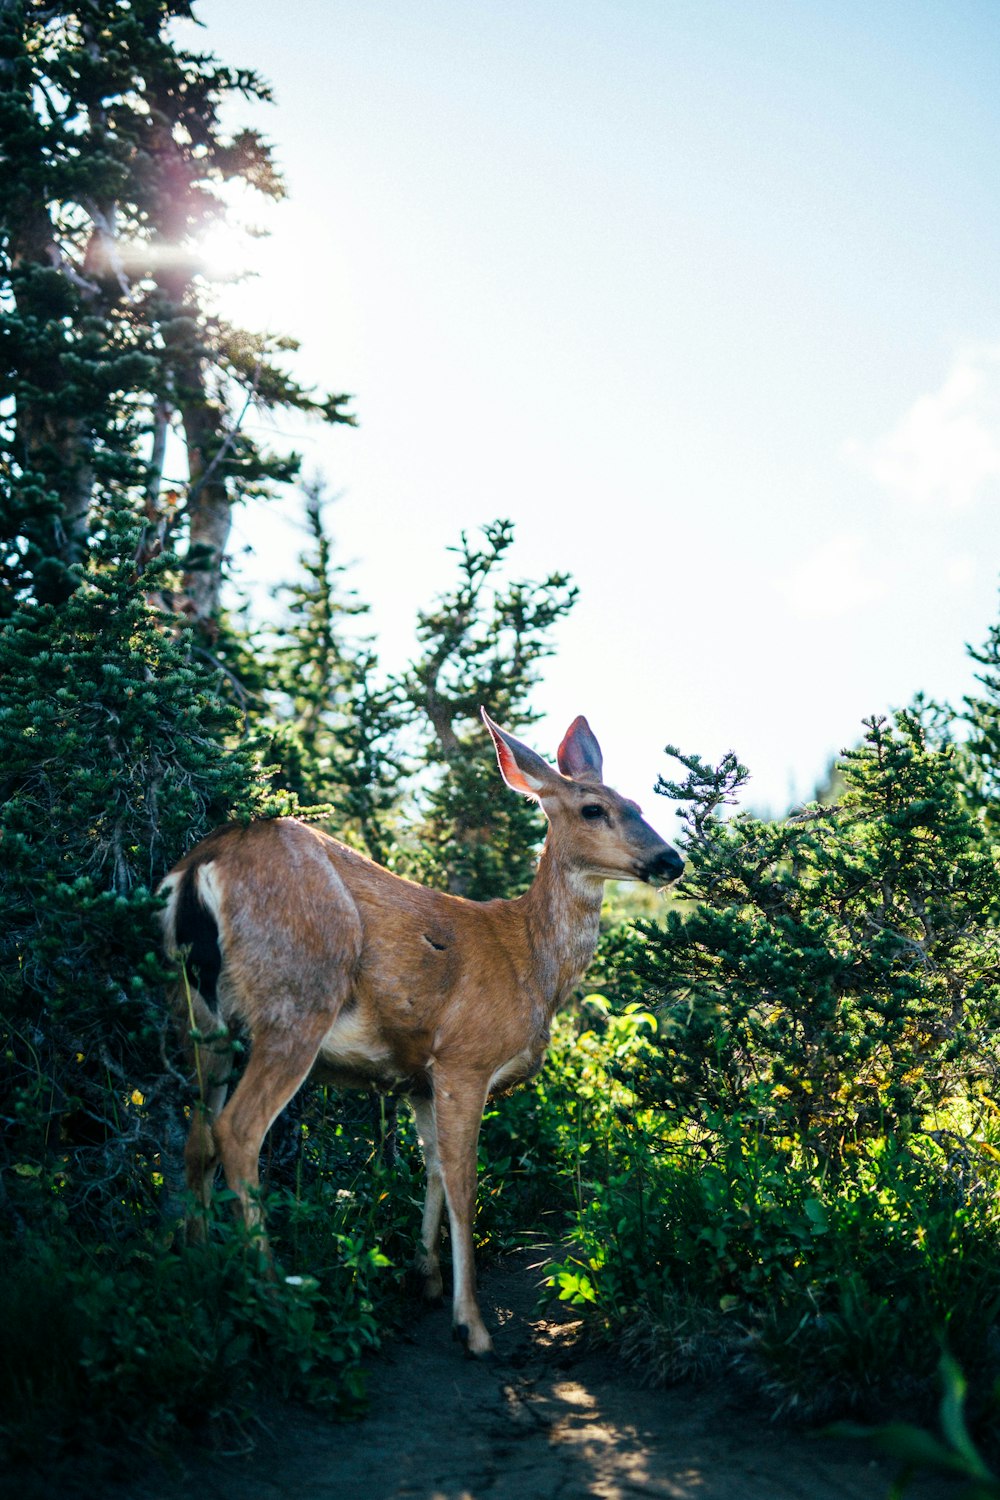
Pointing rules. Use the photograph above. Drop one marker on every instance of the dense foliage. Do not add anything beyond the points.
(121, 744)
(803, 1177)
(113, 750)
(137, 714)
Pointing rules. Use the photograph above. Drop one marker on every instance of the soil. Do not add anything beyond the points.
(551, 1419)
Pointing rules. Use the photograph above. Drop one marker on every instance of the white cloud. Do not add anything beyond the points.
(833, 580)
(944, 452)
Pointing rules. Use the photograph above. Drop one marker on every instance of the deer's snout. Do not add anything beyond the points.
(664, 867)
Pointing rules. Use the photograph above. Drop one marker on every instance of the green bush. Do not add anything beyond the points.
(803, 1175)
(116, 751)
(108, 1345)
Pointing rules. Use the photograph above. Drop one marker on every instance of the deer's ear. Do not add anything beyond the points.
(521, 768)
(579, 754)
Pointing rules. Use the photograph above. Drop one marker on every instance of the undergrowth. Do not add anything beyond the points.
(829, 1297)
(115, 1345)
(787, 1145)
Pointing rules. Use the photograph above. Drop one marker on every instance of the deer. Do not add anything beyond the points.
(340, 969)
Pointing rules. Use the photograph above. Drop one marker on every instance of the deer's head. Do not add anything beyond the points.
(593, 829)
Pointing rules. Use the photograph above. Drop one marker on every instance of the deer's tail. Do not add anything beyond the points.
(191, 936)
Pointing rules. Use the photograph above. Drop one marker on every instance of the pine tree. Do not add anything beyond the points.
(117, 753)
(330, 720)
(307, 663)
(837, 976)
(482, 644)
(982, 715)
(115, 161)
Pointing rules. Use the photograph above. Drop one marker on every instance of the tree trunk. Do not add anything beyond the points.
(209, 508)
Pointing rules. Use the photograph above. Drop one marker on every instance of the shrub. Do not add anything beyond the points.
(805, 1173)
(114, 753)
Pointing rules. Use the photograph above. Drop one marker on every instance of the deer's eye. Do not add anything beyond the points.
(592, 811)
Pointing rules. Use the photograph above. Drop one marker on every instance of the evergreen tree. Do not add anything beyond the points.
(838, 977)
(341, 733)
(982, 714)
(333, 722)
(113, 743)
(482, 644)
(373, 767)
(115, 161)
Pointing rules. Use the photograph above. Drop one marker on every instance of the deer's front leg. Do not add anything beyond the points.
(458, 1111)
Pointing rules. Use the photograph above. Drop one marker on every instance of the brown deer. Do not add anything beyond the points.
(334, 964)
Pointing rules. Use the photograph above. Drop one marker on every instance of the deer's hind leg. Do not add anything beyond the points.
(210, 1052)
(281, 1059)
(293, 944)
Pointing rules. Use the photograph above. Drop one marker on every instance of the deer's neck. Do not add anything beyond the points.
(562, 913)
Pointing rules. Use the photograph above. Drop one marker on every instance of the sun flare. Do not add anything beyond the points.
(226, 252)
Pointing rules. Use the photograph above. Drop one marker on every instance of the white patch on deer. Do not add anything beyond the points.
(210, 891)
(517, 1068)
(355, 1045)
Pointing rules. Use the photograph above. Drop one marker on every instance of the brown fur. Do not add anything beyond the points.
(331, 962)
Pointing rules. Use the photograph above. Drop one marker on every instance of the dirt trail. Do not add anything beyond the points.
(548, 1421)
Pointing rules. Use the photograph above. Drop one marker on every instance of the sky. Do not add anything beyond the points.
(702, 295)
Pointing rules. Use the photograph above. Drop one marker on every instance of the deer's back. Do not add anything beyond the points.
(407, 973)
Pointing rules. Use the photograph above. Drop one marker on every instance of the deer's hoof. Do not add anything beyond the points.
(480, 1348)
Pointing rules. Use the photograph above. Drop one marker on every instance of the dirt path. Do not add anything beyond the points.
(548, 1421)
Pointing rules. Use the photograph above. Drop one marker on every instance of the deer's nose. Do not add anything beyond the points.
(667, 866)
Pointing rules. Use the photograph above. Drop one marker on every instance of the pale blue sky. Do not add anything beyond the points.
(704, 296)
